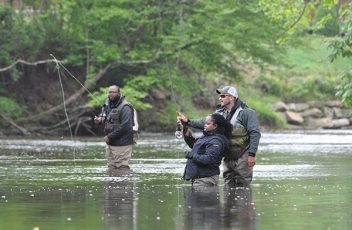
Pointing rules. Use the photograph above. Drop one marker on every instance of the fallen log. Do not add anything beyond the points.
(13, 123)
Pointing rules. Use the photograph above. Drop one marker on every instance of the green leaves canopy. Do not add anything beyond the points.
(164, 43)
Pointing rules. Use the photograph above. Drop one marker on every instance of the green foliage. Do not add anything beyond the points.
(177, 46)
(98, 98)
(344, 89)
(265, 114)
(311, 55)
(328, 22)
(342, 47)
(271, 84)
(10, 107)
(290, 15)
(168, 116)
(134, 96)
(298, 87)
(170, 45)
(178, 41)
(311, 88)
(306, 73)
(21, 37)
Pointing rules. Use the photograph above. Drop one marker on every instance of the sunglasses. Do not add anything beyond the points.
(224, 95)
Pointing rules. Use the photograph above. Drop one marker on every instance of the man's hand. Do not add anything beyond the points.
(97, 120)
(106, 139)
(251, 161)
(181, 117)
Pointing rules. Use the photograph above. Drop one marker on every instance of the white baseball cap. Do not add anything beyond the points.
(228, 90)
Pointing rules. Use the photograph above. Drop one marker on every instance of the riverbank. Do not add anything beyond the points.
(315, 115)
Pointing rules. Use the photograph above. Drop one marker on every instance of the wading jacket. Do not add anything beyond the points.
(246, 120)
(119, 122)
(205, 157)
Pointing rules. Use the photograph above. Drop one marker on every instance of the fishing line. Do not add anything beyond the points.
(64, 103)
(178, 133)
(91, 94)
(78, 81)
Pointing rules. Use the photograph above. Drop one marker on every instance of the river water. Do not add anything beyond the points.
(302, 180)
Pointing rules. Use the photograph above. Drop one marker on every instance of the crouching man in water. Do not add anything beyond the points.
(204, 159)
(117, 117)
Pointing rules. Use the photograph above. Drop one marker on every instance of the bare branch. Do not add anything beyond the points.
(9, 120)
(136, 62)
(26, 63)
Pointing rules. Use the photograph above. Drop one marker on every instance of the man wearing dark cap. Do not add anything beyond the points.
(117, 117)
(240, 160)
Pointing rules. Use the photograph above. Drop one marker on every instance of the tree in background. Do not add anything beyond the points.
(146, 44)
(342, 47)
(143, 45)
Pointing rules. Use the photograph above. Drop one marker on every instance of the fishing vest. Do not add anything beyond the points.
(112, 120)
(239, 138)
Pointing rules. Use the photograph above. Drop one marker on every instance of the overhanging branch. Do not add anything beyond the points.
(26, 63)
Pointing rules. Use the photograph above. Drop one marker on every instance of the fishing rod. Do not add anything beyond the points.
(178, 132)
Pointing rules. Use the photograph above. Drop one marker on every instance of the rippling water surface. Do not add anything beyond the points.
(302, 180)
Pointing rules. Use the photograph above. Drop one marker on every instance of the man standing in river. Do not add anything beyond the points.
(240, 160)
(117, 117)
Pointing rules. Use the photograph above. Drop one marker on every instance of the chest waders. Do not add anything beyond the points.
(239, 138)
(113, 120)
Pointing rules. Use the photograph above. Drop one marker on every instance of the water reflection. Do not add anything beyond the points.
(239, 209)
(202, 206)
(206, 208)
(119, 207)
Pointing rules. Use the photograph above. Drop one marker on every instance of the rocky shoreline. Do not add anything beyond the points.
(315, 115)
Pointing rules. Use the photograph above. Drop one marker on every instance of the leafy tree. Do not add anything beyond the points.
(165, 44)
(20, 38)
(148, 44)
(342, 47)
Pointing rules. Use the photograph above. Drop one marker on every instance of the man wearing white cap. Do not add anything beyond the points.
(240, 160)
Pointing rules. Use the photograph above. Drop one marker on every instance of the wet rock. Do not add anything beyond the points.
(294, 118)
(315, 104)
(328, 112)
(338, 123)
(333, 103)
(280, 107)
(298, 107)
(325, 122)
(346, 113)
(315, 112)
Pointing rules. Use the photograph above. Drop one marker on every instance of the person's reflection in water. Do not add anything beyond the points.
(119, 207)
(202, 207)
(239, 209)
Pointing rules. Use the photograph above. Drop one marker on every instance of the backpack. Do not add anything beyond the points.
(135, 126)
